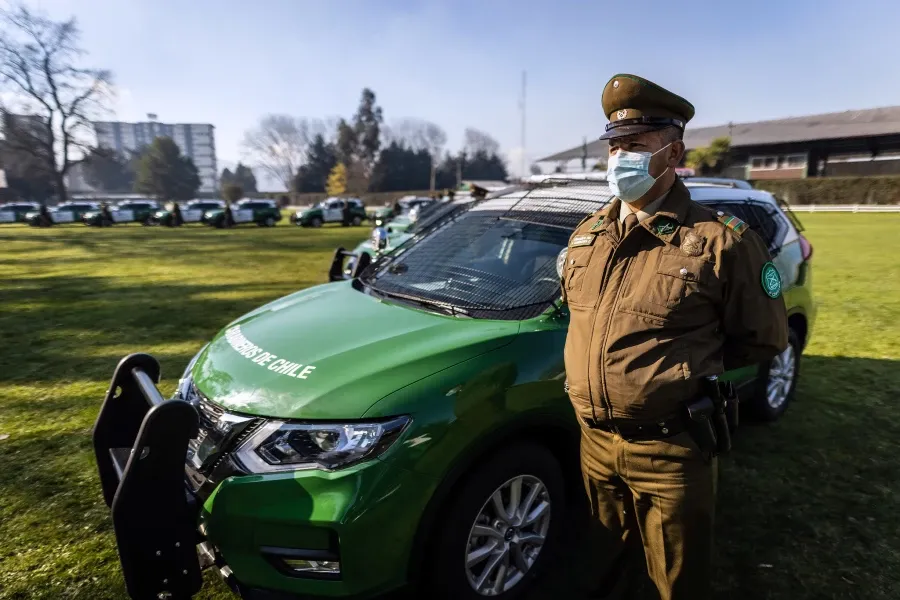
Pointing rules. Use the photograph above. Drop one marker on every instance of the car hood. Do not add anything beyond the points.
(309, 211)
(331, 352)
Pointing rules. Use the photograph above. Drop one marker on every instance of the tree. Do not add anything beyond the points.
(367, 127)
(107, 170)
(41, 70)
(710, 160)
(536, 169)
(232, 192)
(321, 159)
(337, 180)
(418, 134)
(346, 142)
(165, 174)
(401, 168)
(244, 177)
(226, 177)
(478, 141)
(278, 145)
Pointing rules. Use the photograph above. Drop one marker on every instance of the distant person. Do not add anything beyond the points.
(106, 218)
(44, 219)
(229, 216)
(177, 217)
(345, 213)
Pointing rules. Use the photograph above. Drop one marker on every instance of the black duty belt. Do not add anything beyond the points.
(633, 430)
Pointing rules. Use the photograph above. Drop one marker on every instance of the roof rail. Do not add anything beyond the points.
(718, 182)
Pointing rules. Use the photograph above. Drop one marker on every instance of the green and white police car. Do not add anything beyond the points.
(264, 213)
(192, 211)
(331, 210)
(127, 211)
(408, 427)
(14, 212)
(66, 212)
(399, 219)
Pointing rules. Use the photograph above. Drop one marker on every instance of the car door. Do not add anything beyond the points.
(8, 213)
(333, 211)
(243, 213)
(64, 214)
(124, 213)
(194, 212)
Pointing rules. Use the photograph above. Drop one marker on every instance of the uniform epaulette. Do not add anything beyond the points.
(733, 223)
(584, 220)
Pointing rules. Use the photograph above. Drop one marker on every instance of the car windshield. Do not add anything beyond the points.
(488, 262)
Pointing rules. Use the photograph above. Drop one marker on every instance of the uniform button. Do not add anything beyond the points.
(720, 213)
(572, 262)
(683, 271)
(665, 430)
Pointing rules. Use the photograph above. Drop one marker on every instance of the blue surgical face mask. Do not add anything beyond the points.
(628, 174)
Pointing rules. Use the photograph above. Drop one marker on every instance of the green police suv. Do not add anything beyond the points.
(409, 425)
(331, 210)
(191, 212)
(65, 212)
(14, 212)
(127, 211)
(264, 213)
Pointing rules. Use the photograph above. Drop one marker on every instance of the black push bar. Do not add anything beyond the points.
(141, 443)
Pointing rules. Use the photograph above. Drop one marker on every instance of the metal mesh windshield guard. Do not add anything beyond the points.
(495, 260)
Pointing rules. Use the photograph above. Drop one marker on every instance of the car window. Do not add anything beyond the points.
(763, 218)
(482, 264)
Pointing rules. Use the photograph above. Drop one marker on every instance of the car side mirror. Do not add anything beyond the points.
(379, 238)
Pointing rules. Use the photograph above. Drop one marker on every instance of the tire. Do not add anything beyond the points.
(315, 222)
(449, 577)
(357, 221)
(147, 222)
(269, 222)
(781, 373)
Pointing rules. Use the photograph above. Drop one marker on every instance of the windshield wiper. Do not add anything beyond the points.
(441, 307)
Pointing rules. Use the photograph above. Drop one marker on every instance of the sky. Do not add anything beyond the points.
(459, 63)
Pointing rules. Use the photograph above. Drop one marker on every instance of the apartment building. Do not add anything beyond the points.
(195, 140)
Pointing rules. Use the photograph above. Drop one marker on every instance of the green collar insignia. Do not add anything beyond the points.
(771, 280)
(597, 225)
(664, 227)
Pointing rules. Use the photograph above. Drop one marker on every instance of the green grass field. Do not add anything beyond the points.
(807, 506)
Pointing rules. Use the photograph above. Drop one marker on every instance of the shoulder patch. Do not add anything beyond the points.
(585, 239)
(732, 223)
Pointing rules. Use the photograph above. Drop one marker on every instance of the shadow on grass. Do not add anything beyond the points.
(50, 326)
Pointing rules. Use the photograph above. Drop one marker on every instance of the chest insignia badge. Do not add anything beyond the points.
(664, 227)
(692, 244)
(585, 239)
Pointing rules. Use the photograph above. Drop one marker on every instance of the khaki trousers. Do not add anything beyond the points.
(657, 496)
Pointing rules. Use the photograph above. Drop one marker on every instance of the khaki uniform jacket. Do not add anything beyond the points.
(679, 298)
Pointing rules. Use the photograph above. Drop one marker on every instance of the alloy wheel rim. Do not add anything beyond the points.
(507, 535)
(781, 377)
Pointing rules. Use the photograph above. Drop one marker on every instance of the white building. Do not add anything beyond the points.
(193, 139)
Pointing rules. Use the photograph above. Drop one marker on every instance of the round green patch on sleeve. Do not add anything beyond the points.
(771, 280)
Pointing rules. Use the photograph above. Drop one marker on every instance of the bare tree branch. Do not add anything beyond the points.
(419, 134)
(279, 145)
(39, 66)
(479, 141)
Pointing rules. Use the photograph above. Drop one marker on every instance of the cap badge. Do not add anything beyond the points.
(622, 114)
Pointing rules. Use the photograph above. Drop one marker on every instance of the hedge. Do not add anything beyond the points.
(834, 190)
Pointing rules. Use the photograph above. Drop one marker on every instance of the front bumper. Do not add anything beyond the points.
(253, 528)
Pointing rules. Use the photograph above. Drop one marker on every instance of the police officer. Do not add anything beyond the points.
(105, 215)
(662, 293)
(345, 213)
(177, 218)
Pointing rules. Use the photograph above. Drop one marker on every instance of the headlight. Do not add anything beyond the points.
(278, 446)
(184, 390)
